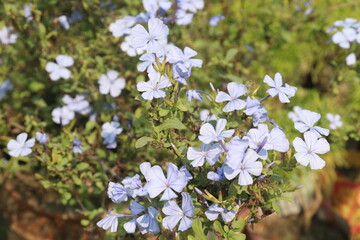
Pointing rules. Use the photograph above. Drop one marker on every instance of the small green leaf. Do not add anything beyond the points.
(82, 166)
(240, 224)
(236, 236)
(198, 230)
(218, 228)
(143, 141)
(172, 123)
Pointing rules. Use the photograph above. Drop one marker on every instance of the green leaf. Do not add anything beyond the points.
(218, 228)
(236, 236)
(143, 141)
(231, 53)
(198, 230)
(172, 123)
(82, 166)
(164, 111)
(240, 224)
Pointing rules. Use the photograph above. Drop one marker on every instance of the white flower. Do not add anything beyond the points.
(214, 210)
(78, 104)
(243, 166)
(191, 5)
(109, 132)
(205, 116)
(20, 147)
(152, 40)
(110, 83)
(59, 69)
(295, 115)
(62, 115)
(152, 88)
(348, 22)
(129, 49)
(351, 59)
(122, 26)
(285, 92)
(6, 37)
(307, 150)
(110, 221)
(256, 111)
(152, 6)
(148, 60)
(41, 137)
(335, 120)
(194, 94)
(27, 12)
(344, 37)
(176, 55)
(64, 22)
(306, 122)
(209, 152)
(210, 134)
(235, 90)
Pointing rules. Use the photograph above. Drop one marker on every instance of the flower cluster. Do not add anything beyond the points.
(222, 154)
(160, 9)
(345, 32)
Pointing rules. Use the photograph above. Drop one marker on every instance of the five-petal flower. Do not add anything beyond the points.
(306, 151)
(20, 146)
(59, 69)
(210, 134)
(235, 90)
(285, 92)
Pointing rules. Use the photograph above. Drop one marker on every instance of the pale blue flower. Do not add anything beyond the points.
(284, 93)
(118, 193)
(187, 173)
(152, 6)
(306, 151)
(335, 121)
(109, 132)
(146, 223)
(209, 152)
(77, 147)
(181, 73)
(351, 59)
(191, 5)
(20, 146)
(59, 69)
(176, 214)
(64, 22)
(306, 122)
(243, 166)
(122, 26)
(295, 115)
(62, 115)
(152, 88)
(194, 94)
(148, 60)
(27, 12)
(111, 84)
(5, 87)
(152, 40)
(214, 20)
(110, 221)
(176, 55)
(344, 37)
(206, 117)
(256, 111)
(235, 90)
(261, 140)
(214, 210)
(6, 37)
(157, 183)
(183, 18)
(210, 134)
(130, 49)
(42, 137)
(216, 176)
(134, 183)
(79, 104)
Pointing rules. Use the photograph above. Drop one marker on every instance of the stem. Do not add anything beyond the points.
(223, 145)
(264, 98)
